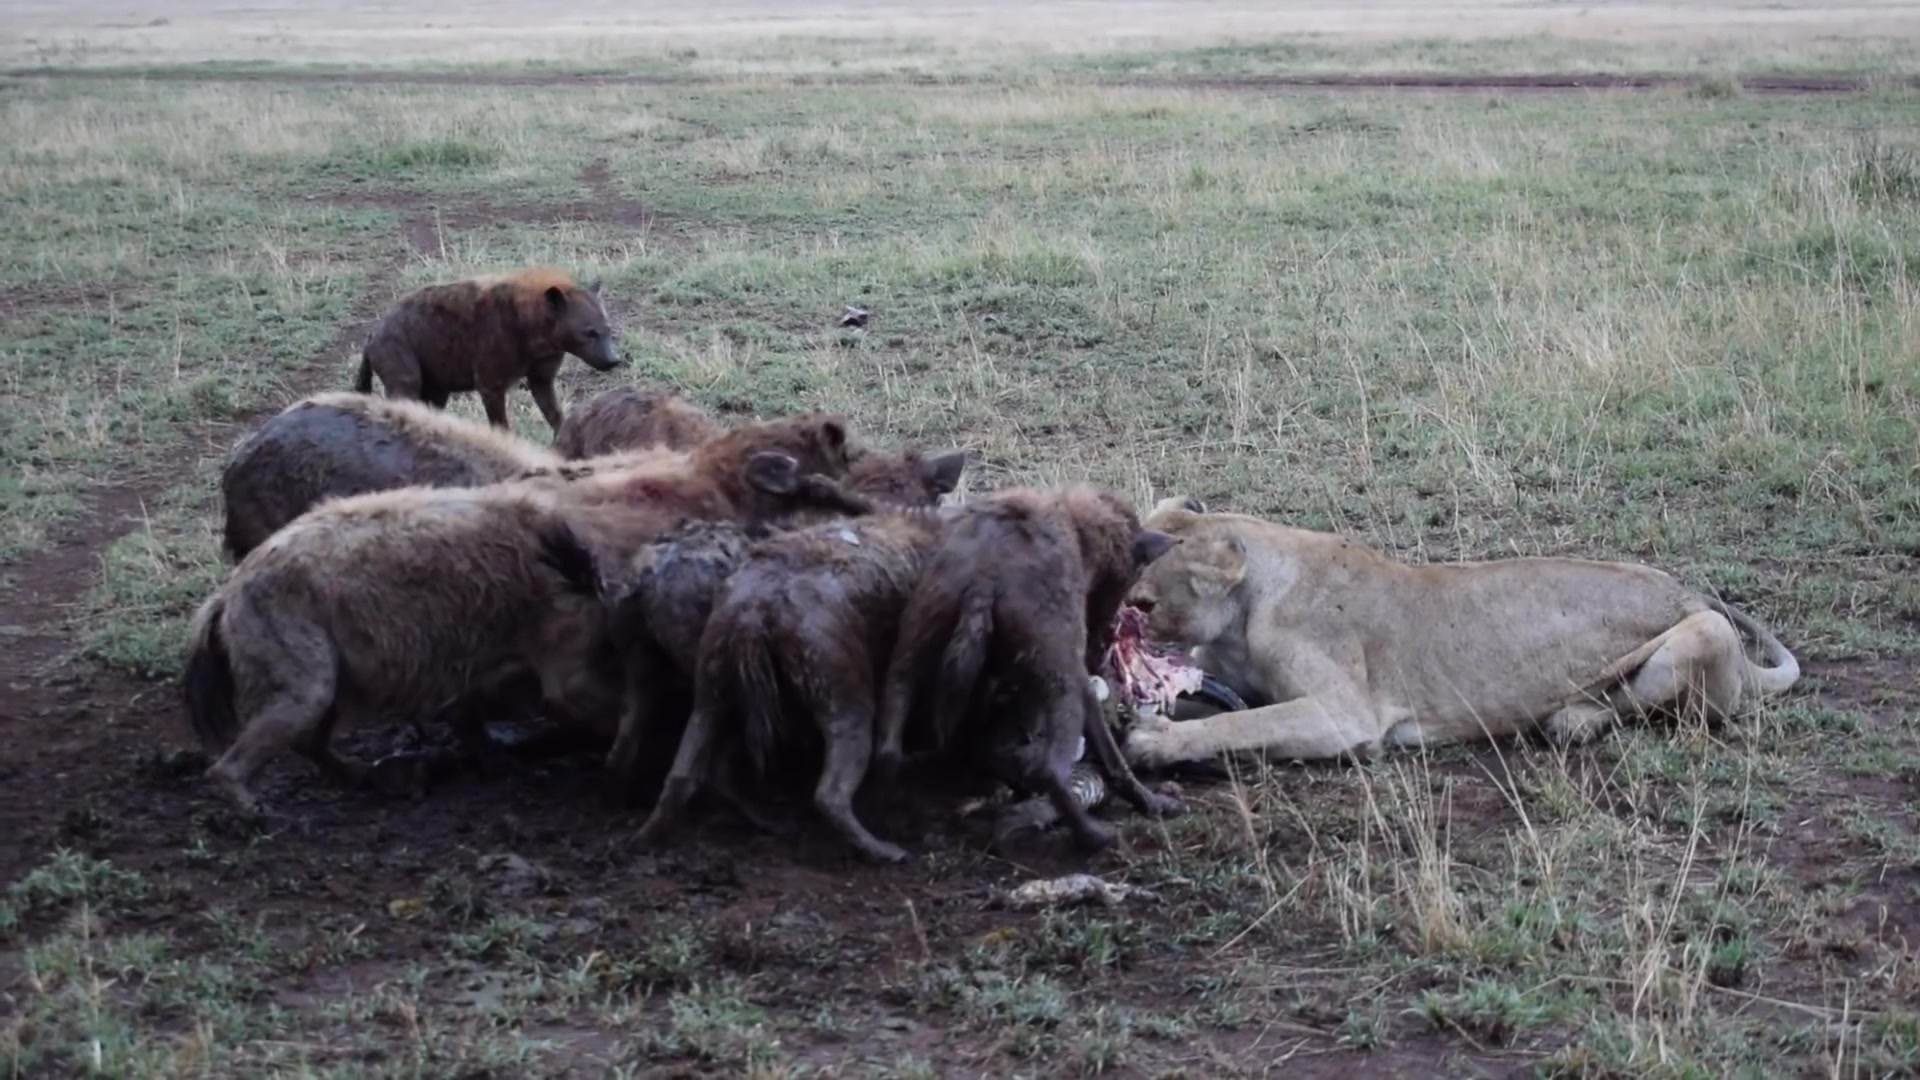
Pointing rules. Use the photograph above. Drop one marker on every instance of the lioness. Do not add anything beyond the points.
(1340, 649)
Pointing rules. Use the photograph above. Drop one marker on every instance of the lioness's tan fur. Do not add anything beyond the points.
(1340, 649)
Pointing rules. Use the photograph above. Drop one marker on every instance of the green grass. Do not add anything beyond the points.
(1677, 327)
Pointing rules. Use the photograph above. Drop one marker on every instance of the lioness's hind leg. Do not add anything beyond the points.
(1578, 723)
(1700, 664)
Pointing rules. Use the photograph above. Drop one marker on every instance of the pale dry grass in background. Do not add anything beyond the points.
(759, 36)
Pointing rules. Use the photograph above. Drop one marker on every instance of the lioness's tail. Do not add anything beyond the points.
(1784, 670)
(208, 680)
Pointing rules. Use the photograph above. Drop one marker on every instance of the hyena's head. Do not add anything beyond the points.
(581, 324)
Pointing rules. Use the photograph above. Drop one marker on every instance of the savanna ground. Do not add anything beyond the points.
(1675, 324)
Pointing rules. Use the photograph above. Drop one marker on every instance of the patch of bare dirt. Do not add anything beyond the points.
(427, 221)
(48, 705)
(18, 301)
(1881, 690)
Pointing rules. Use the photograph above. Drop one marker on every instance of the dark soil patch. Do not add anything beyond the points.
(427, 220)
(17, 301)
(796, 916)
(1881, 690)
(50, 582)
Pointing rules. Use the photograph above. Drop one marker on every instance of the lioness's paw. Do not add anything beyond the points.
(1148, 744)
(1149, 720)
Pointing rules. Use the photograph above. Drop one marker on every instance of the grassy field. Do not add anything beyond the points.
(1677, 325)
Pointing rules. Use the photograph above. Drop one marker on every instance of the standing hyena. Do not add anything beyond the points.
(487, 334)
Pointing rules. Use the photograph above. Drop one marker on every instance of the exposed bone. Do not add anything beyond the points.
(1066, 891)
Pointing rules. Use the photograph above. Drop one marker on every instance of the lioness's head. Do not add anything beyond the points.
(1191, 593)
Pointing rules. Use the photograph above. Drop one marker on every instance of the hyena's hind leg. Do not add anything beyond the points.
(1119, 775)
(277, 714)
(844, 713)
(691, 767)
(1049, 760)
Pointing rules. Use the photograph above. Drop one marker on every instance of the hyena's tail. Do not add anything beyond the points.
(927, 624)
(961, 664)
(755, 677)
(562, 549)
(208, 681)
(234, 540)
(363, 381)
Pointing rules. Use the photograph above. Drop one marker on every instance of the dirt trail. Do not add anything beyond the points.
(54, 713)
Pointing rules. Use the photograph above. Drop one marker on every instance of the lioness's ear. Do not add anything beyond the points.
(942, 473)
(1218, 563)
(1172, 509)
(1149, 545)
(774, 472)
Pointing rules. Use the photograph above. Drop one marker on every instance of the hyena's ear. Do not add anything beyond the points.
(1150, 544)
(942, 471)
(774, 472)
(594, 286)
(556, 298)
(833, 432)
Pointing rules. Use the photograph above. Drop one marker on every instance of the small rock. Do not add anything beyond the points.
(517, 876)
